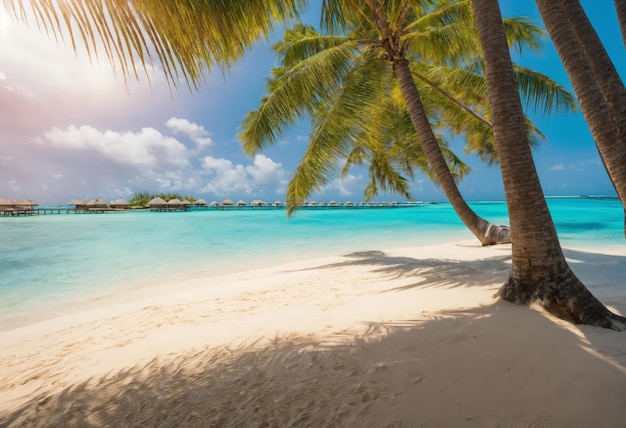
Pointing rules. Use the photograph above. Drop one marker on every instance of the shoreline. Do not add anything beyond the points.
(428, 305)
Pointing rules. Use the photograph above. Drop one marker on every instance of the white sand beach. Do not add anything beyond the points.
(405, 338)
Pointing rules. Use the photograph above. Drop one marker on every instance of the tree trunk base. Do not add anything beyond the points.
(565, 297)
(492, 234)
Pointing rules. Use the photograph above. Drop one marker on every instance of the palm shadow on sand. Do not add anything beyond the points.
(498, 364)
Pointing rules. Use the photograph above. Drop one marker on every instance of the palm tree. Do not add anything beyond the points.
(595, 80)
(350, 68)
(539, 271)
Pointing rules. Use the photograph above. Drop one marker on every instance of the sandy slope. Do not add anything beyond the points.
(404, 338)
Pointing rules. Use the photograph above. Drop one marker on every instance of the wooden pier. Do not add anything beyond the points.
(15, 212)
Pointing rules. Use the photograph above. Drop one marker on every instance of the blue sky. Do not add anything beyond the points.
(72, 128)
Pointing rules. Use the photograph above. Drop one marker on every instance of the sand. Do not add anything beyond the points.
(406, 338)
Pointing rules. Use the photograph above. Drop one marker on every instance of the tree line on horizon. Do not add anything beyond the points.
(383, 83)
(141, 199)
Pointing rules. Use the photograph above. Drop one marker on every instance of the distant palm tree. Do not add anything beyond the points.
(539, 271)
(344, 82)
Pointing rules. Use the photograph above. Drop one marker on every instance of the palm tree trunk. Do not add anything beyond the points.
(608, 78)
(620, 8)
(539, 271)
(603, 69)
(487, 233)
(599, 91)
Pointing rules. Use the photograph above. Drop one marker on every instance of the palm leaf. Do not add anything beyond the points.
(294, 93)
(187, 36)
(335, 126)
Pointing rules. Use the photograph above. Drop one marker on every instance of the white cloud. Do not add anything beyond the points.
(557, 167)
(344, 185)
(225, 178)
(196, 132)
(265, 172)
(148, 147)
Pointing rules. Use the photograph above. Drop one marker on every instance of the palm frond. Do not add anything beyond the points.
(187, 36)
(293, 93)
(445, 14)
(541, 94)
(522, 34)
(302, 42)
(335, 126)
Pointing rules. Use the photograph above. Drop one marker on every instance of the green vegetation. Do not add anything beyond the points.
(141, 199)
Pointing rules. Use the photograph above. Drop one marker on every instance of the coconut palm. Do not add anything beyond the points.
(595, 80)
(344, 80)
(539, 271)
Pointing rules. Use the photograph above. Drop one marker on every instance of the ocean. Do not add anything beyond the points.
(50, 263)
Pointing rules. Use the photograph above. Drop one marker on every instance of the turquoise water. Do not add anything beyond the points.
(54, 261)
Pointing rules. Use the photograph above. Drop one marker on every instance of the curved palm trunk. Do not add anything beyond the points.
(603, 69)
(539, 271)
(620, 8)
(597, 84)
(487, 233)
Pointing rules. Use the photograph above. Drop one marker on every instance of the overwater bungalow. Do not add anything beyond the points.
(214, 204)
(6, 206)
(157, 204)
(79, 204)
(175, 203)
(119, 204)
(242, 204)
(278, 204)
(24, 206)
(226, 203)
(17, 207)
(201, 202)
(98, 205)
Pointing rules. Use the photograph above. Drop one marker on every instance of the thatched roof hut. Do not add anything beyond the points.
(174, 202)
(24, 203)
(241, 203)
(257, 203)
(227, 203)
(6, 206)
(97, 203)
(119, 203)
(157, 202)
(16, 207)
(278, 203)
(213, 204)
(185, 202)
(200, 202)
